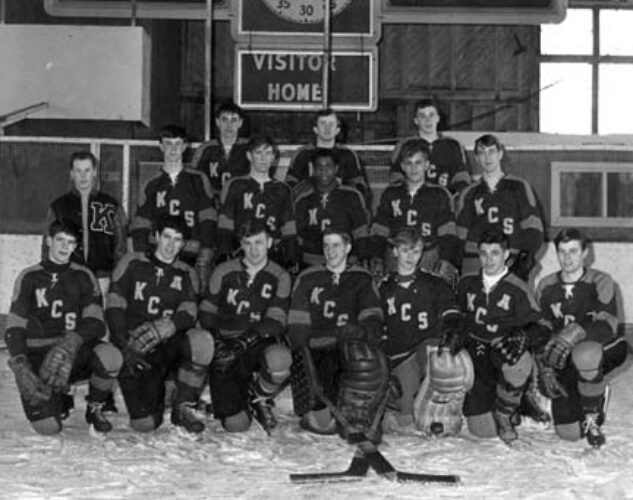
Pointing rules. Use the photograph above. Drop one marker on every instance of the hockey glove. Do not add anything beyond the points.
(509, 348)
(228, 351)
(31, 387)
(561, 344)
(453, 334)
(134, 361)
(548, 382)
(148, 335)
(522, 264)
(58, 363)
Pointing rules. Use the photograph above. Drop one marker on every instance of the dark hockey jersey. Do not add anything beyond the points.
(413, 309)
(430, 210)
(49, 299)
(590, 302)
(189, 197)
(213, 160)
(343, 208)
(510, 304)
(235, 302)
(144, 289)
(243, 199)
(323, 301)
(448, 165)
(105, 231)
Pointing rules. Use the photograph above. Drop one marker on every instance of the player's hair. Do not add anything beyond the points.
(407, 236)
(324, 153)
(571, 234)
(259, 140)
(175, 222)
(428, 102)
(411, 148)
(229, 108)
(487, 140)
(64, 226)
(172, 132)
(325, 112)
(82, 155)
(345, 236)
(253, 227)
(492, 235)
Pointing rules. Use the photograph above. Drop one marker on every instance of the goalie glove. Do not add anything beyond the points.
(32, 389)
(548, 382)
(509, 348)
(148, 335)
(58, 363)
(559, 347)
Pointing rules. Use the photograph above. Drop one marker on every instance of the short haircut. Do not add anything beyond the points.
(64, 226)
(229, 108)
(82, 155)
(492, 235)
(175, 222)
(345, 236)
(487, 140)
(407, 236)
(324, 153)
(325, 112)
(571, 234)
(259, 140)
(411, 148)
(429, 102)
(172, 132)
(253, 227)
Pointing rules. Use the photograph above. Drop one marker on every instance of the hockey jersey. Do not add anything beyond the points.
(590, 302)
(144, 289)
(236, 301)
(49, 299)
(220, 165)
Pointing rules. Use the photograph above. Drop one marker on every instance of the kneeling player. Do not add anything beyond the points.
(245, 307)
(334, 326)
(503, 322)
(417, 306)
(53, 334)
(579, 302)
(151, 311)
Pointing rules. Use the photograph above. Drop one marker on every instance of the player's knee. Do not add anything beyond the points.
(201, 346)
(482, 426)
(47, 426)
(145, 424)
(517, 374)
(278, 360)
(109, 360)
(587, 358)
(239, 422)
(568, 432)
(319, 421)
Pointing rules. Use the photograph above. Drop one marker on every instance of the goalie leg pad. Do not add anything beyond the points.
(438, 406)
(327, 365)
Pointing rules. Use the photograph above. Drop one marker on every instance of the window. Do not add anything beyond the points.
(592, 194)
(586, 65)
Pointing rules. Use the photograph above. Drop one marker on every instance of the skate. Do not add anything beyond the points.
(95, 416)
(261, 409)
(592, 431)
(184, 415)
(505, 428)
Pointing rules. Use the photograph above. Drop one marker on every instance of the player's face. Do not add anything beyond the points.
(168, 244)
(327, 128)
(493, 258)
(325, 170)
(228, 124)
(83, 174)
(61, 247)
(489, 158)
(173, 148)
(427, 119)
(571, 256)
(414, 167)
(335, 250)
(261, 158)
(256, 248)
(408, 257)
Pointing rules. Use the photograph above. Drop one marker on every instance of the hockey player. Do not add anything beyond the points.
(225, 156)
(502, 200)
(258, 196)
(246, 308)
(414, 203)
(335, 325)
(326, 202)
(503, 322)
(326, 127)
(417, 306)
(151, 312)
(54, 331)
(580, 305)
(182, 192)
(448, 166)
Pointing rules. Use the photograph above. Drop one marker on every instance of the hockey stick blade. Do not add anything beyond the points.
(357, 469)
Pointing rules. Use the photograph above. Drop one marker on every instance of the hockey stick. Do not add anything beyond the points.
(357, 469)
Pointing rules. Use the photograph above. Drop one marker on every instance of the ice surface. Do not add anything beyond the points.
(171, 464)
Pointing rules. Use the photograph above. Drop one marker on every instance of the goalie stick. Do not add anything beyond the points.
(367, 453)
